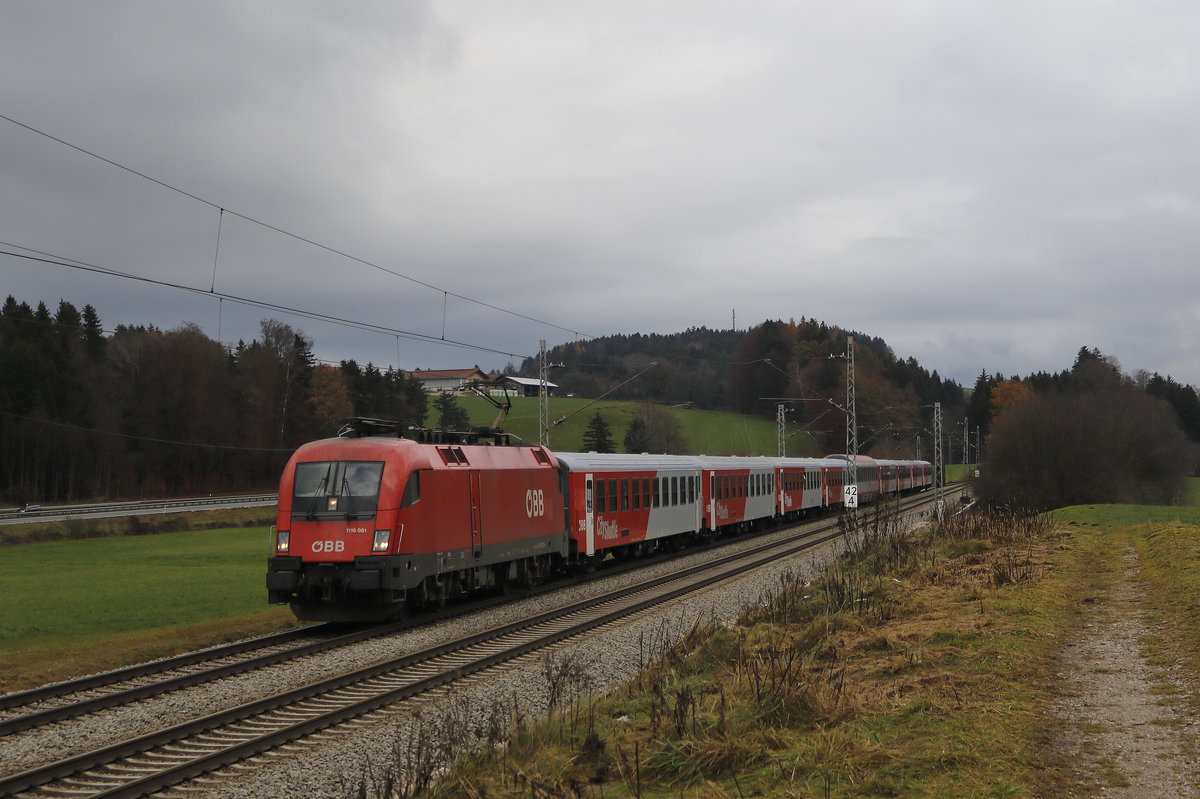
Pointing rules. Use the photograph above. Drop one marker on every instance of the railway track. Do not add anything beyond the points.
(24, 710)
(27, 710)
(167, 757)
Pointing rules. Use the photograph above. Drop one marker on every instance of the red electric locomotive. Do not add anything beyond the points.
(371, 521)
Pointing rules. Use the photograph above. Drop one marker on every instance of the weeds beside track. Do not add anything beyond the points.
(917, 666)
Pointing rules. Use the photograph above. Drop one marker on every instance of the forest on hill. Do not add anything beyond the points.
(801, 364)
(143, 412)
(90, 414)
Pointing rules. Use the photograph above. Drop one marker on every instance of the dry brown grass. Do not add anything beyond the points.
(905, 670)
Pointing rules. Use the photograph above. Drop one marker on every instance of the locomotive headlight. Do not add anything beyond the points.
(382, 539)
(283, 539)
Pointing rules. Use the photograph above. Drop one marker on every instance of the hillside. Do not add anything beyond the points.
(708, 432)
(748, 371)
(146, 412)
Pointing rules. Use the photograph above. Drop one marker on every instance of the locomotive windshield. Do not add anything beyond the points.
(336, 490)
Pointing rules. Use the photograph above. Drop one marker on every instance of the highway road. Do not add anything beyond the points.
(52, 513)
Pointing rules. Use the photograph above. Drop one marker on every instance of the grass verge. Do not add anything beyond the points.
(75, 607)
(1170, 569)
(80, 528)
(918, 666)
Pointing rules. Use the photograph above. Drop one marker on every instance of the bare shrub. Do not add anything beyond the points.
(1114, 444)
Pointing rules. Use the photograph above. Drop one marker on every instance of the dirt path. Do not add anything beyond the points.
(1119, 728)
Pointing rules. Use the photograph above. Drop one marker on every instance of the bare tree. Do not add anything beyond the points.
(655, 430)
(1110, 444)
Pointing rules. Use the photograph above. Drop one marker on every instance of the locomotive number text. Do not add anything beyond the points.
(535, 503)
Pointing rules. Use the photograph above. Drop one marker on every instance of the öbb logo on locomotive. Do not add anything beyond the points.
(329, 546)
(380, 519)
(535, 503)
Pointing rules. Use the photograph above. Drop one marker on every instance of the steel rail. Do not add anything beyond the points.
(62, 712)
(69, 710)
(59, 690)
(260, 742)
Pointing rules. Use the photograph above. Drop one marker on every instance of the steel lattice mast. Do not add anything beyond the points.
(938, 474)
(851, 417)
(543, 396)
(781, 426)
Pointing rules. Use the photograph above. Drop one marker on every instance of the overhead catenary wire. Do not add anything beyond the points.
(64, 261)
(217, 253)
(47, 258)
(282, 231)
(602, 396)
(446, 294)
(333, 251)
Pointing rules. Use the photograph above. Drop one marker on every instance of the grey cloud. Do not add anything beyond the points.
(986, 187)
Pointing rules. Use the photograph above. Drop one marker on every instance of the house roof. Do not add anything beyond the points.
(445, 374)
(528, 381)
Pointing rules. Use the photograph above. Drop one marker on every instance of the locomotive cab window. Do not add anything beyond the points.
(412, 490)
(336, 489)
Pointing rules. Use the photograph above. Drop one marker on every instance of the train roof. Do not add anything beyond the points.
(609, 461)
(601, 461)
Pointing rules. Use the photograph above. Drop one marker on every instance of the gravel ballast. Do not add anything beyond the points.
(334, 763)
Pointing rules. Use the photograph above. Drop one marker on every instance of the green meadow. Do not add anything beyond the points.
(70, 607)
(708, 432)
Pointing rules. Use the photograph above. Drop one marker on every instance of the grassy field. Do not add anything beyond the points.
(1117, 516)
(708, 432)
(74, 607)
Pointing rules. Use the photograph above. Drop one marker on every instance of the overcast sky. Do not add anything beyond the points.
(986, 186)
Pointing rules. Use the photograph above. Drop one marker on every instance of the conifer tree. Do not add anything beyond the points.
(450, 415)
(598, 436)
